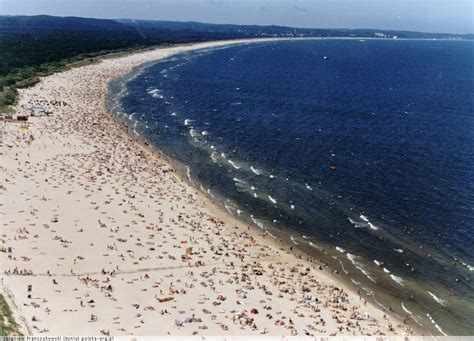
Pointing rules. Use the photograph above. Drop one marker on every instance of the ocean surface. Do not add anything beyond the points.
(359, 152)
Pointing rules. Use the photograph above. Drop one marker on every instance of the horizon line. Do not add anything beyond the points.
(233, 24)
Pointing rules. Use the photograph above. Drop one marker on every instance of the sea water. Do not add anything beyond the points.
(360, 153)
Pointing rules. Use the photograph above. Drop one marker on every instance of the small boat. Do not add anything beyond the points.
(325, 57)
(333, 168)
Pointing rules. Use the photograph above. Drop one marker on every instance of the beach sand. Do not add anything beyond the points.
(113, 240)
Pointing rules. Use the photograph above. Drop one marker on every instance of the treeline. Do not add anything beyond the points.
(31, 47)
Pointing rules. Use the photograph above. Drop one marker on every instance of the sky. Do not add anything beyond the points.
(449, 16)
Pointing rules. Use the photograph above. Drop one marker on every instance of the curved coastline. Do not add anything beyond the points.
(139, 60)
(319, 251)
(219, 207)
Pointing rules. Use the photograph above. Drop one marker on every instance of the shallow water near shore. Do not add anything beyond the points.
(357, 152)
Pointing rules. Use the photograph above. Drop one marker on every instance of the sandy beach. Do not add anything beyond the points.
(102, 236)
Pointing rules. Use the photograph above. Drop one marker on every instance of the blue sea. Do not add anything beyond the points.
(358, 152)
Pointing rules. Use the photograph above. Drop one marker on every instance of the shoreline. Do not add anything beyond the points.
(201, 206)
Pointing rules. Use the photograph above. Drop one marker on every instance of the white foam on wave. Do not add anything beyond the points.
(380, 304)
(355, 282)
(308, 187)
(204, 133)
(340, 249)
(241, 185)
(156, 93)
(258, 223)
(366, 273)
(228, 209)
(399, 250)
(406, 310)
(294, 241)
(342, 266)
(193, 132)
(187, 122)
(173, 114)
(436, 325)
(398, 279)
(355, 223)
(377, 262)
(213, 157)
(255, 171)
(188, 173)
(271, 235)
(470, 267)
(272, 199)
(353, 258)
(315, 246)
(386, 270)
(372, 226)
(234, 164)
(153, 91)
(209, 192)
(440, 301)
(131, 115)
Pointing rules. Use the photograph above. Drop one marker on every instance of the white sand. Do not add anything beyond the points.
(84, 207)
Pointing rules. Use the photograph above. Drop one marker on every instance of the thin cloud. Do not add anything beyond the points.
(300, 9)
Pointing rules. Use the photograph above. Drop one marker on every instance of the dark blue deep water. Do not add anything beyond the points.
(361, 153)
